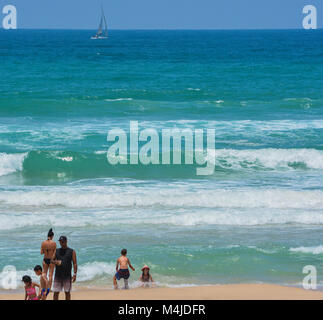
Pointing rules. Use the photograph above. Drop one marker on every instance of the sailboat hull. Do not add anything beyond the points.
(96, 38)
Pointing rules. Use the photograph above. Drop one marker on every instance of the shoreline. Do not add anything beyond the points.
(217, 292)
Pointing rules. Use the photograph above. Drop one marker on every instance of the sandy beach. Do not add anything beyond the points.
(221, 292)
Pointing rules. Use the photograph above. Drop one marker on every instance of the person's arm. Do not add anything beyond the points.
(130, 265)
(56, 262)
(117, 265)
(38, 286)
(25, 294)
(74, 266)
(42, 251)
(54, 252)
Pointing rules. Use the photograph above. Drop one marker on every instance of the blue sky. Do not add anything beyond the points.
(163, 14)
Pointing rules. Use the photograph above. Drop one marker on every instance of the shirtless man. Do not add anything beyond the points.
(48, 249)
(123, 272)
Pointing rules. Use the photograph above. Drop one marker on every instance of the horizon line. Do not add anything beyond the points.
(165, 29)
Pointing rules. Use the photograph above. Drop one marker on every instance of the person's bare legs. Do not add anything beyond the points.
(126, 286)
(56, 295)
(45, 269)
(115, 283)
(50, 277)
(67, 296)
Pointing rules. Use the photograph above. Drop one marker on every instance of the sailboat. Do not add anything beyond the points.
(103, 28)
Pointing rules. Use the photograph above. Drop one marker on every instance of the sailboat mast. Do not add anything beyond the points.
(105, 22)
(102, 34)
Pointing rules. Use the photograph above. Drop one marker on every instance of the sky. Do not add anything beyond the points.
(163, 14)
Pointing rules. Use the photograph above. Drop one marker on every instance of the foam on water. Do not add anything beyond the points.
(118, 197)
(313, 250)
(10, 163)
(101, 273)
(267, 158)
(153, 218)
(86, 272)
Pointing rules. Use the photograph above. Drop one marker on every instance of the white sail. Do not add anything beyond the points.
(102, 26)
(105, 24)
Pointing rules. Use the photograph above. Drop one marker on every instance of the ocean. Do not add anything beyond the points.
(257, 219)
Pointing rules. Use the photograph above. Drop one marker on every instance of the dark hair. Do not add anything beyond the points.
(143, 274)
(38, 268)
(124, 252)
(50, 233)
(26, 279)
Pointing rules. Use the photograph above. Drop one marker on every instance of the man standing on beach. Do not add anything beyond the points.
(64, 258)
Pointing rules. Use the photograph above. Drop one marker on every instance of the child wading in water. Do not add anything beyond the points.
(123, 272)
(146, 278)
(30, 288)
(44, 290)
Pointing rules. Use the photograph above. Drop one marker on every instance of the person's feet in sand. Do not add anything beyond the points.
(115, 283)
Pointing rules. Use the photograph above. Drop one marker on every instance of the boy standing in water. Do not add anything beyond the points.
(44, 290)
(122, 269)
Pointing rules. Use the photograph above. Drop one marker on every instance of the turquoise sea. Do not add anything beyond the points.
(258, 218)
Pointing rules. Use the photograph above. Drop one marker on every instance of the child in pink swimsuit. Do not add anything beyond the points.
(30, 288)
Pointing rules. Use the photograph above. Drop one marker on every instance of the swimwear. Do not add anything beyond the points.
(145, 278)
(47, 261)
(62, 284)
(45, 290)
(122, 274)
(31, 292)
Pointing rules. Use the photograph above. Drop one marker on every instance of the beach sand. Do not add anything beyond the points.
(221, 292)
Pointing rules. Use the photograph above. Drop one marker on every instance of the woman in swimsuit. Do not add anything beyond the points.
(30, 288)
(48, 249)
(146, 278)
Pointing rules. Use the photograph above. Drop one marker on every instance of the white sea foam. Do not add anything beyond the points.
(92, 270)
(313, 250)
(150, 218)
(10, 163)
(181, 198)
(66, 159)
(267, 158)
(231, 159)
(119, 99)
(86, 272)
